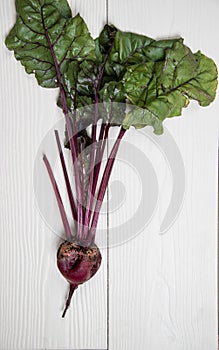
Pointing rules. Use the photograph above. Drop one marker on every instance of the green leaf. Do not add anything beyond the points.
(85, 77)
(180, 66)
(43, 26)
(113, 92)
(75, 43)
(139, 118)
(203, 87)
(31, 12)
(167, 105)
(106, 38)
(78, 82)
(130, 48)
(163, 88)
(74, 98)
(140, 82)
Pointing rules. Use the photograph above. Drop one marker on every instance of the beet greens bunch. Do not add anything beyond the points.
(119, 79)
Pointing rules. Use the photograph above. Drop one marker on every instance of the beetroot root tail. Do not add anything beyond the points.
(72, 288)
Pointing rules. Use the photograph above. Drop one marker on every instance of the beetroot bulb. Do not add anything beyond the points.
(77, 264)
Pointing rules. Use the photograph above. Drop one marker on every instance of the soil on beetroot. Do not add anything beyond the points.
(77, 264)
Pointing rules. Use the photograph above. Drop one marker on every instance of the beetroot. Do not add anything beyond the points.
(128, 79)
(77, 264)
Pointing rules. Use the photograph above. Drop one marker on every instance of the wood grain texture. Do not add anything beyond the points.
(163, 289)
(32, 292)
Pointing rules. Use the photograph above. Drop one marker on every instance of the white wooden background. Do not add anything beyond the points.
(162, 288)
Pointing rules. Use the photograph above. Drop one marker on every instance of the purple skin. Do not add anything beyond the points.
(77, 264)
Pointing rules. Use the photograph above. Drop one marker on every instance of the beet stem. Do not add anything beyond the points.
(99, 156)
(99, 159)
(92, 165)
(103, 136)
(59, 199)
(72, 288)
(67, 182)
(104, 184)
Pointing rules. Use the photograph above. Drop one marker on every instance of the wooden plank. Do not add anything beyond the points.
(32, 291)
(163, 289)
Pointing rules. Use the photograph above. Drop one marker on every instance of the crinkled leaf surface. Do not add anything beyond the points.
(164, 88)
(41, 21)
(203, 86)
(106, 38)
(113, 92)
(130, 48)
(139, 118)
(83, 79)
(70, 78)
